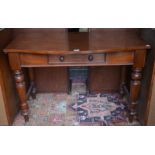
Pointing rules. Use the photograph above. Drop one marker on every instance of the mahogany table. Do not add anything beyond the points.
(98, 48)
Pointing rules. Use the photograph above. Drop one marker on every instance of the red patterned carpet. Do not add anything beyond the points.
(76, 109)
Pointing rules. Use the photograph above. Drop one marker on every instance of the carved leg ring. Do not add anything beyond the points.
(134, 92)
(20, 85)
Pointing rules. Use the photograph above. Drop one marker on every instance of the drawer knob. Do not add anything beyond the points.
(61, 58)
(90, 58)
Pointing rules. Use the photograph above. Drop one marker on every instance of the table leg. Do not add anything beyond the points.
(31, 75)
(134, 92)
(20, 85)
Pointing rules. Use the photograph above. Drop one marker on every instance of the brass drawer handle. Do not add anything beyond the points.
(90, 57)
(61, 58)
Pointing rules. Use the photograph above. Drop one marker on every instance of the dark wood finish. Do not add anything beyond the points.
(76, 44)
(15, 64)
(55, 43)
(44, 73)
(104, 79)
(120, 58)
(87, 59)
(33, 60)
(116, 40)
(55, 79)
(41, 83)
(20, 85)
(8, 97)
(5, 38)
(136, 76)
(99, 59)
(48, 73)
(39, 50)
(134, 92)
(9, 105)
(14, 61)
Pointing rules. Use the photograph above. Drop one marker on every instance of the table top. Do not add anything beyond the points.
(76, 42)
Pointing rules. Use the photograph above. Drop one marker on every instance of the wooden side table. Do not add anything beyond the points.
(101, 48)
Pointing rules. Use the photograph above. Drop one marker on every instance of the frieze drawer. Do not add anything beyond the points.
(77, 59)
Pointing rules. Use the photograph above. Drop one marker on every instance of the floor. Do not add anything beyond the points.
(77, 109)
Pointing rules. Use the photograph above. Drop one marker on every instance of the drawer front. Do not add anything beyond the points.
(33, 59)
(77, 59)
(120, 58)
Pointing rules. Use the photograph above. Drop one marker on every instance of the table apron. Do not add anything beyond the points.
(102, 59)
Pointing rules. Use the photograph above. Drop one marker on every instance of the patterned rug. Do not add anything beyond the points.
(50, 109)
(108, 109)
(76, 109)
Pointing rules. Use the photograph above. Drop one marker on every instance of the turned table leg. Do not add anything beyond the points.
(20, 85)
(31, 75)
(134, 92)
(136, 76)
